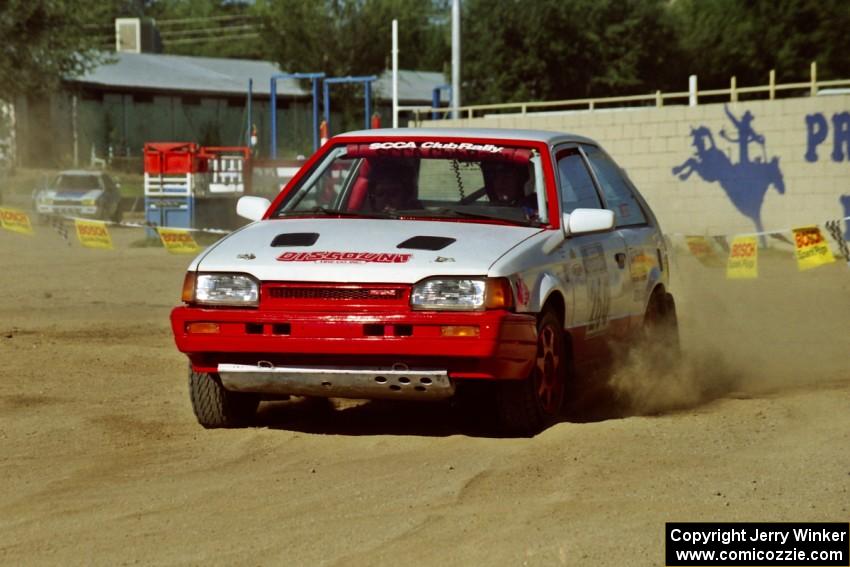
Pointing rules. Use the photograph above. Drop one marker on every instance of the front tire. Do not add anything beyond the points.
(216, 407)
(528, 406)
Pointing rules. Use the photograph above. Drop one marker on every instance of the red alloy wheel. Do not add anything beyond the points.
(548, 375)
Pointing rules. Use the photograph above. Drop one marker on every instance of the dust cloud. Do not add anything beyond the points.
(785, 329)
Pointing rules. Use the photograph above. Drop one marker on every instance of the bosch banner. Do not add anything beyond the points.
(93, 234)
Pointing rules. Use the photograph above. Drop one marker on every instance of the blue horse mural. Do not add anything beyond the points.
(744, 182)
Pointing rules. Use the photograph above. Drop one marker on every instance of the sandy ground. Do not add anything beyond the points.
(103, 463)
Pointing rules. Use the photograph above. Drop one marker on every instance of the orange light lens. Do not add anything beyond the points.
(460, 330)
(189, 287)
(203, 328)
(498, 294)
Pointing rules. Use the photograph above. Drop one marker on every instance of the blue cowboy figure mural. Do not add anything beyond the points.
(744, 182)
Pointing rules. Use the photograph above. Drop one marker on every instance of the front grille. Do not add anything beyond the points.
(337, 294)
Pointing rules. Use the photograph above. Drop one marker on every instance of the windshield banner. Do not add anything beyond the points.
(439, 150)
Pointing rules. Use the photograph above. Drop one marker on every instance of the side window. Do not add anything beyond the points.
(323, 190)
(577, 190)
(618, 195)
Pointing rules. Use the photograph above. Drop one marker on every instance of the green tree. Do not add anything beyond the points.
(722, 38)
(211, 28)
(46, 40)
(550, 49)
(353, 37)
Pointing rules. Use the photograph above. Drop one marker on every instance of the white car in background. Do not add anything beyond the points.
(87, 194)
(419, 263)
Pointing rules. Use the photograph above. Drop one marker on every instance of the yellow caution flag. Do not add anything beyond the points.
(15, 220)
(701, 248)
(811, 248)
(93, 234)
(178, 241)
(743, 258)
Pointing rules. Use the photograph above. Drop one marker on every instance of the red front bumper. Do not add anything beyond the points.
(505, 347)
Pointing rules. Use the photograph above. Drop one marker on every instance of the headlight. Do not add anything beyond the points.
(225, 289)
(462, 294)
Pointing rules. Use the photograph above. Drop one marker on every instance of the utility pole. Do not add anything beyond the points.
(455, 58)
(395, 73)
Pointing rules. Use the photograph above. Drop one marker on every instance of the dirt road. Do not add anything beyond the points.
(103, 463)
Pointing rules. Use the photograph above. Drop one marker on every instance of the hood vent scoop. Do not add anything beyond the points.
(295, 239)
(426, 243)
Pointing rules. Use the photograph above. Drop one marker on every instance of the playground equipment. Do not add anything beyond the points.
(436, 101)
(367, 96)
(314, 80)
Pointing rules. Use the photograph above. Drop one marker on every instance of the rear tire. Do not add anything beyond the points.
(216, 407)
(661, 325)
(526, 407)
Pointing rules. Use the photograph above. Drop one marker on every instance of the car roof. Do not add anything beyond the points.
(545, 136)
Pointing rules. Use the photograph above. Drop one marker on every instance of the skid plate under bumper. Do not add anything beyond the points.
(397, 382)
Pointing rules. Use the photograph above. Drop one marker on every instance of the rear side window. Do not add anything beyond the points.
(619, 196)
(577, 189)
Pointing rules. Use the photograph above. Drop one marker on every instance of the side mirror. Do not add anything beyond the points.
(252, 208)
(580, 221)
(583, 221)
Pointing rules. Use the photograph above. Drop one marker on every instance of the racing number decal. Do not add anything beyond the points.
(598, 288)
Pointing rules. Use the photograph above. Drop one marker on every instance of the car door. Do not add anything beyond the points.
(596, 261)
(634, 224)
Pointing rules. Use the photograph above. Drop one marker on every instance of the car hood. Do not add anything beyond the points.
(81, 195)
(361, 250)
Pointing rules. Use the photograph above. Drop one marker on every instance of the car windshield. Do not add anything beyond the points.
(435, 179)
(76, 183)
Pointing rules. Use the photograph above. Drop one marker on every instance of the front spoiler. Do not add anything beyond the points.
(331, 382)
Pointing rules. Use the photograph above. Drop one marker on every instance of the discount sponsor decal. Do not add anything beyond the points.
(743, 258)
(93, 234)
(346, 257)
(178, 241)
(15, 221)
(811, 248)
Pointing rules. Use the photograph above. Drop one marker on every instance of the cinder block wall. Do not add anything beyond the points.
(650, 142)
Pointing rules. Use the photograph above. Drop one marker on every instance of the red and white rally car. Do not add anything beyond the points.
(409, 263)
